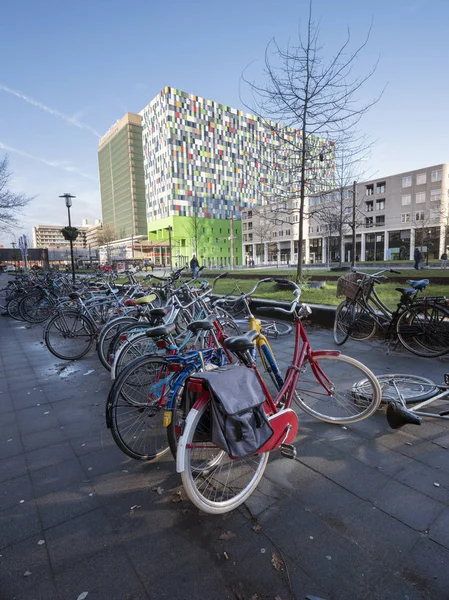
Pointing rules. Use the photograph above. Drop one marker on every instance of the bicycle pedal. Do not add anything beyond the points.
(288, 450)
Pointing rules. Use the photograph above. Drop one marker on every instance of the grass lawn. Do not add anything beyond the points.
(409, 273)
(325, 295)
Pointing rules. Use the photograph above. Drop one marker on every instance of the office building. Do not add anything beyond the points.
(394, 215)
(120, 161)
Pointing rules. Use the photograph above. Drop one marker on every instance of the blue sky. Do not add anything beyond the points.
(82, 65)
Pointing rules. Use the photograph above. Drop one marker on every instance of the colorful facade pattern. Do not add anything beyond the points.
(208, 159)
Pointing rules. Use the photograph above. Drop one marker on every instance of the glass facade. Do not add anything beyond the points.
(122, 183)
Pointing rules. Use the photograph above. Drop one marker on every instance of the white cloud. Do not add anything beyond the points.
(71, 120)
(64, 165)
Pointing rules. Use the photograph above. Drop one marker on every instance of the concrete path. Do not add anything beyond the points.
(363, 513)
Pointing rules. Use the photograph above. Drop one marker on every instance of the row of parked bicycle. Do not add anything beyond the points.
(186, 380)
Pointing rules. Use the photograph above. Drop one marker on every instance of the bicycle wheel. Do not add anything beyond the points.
(424, 330)
(275, 329)
(12, 308)
(136, 346)
(135, 408)
(214, 482)
(5, 296)
(344, 316)
(35, 308)
(325, 389)
(362, 326)
(69, 335)
(107, 333)
(407, 388)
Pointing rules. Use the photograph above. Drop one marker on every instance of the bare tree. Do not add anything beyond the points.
(262, 231)
(107, 234)
(306, 103)
(195, 231)
(11, 203)
(352, 150)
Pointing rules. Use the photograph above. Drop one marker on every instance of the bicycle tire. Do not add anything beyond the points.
(106, 334)
(197, 466)
(136, 346)
(342, 321)
(12, 308)
(275, 329)
(60, 323)
(412, 388)
(35, 308)
(315, 399)
(424, 330)
(363, 326)
(133, 415)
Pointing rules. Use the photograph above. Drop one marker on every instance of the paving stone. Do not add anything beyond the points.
(57, 477)
(19, 522)
(329, 553)
(49, 455)
(10, 446)
(78, 539)
(426, 566)
(12, 491)
(19, 558)
(95, 576)
(408, 506)
(64, 505)
(422, 478)
(99, 441)
(41, 439)
(12, 467)
(356, 477)
(36, 418)
(439, 530)
(6, 404)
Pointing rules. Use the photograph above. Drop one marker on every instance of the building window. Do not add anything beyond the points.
(434, 215)
(369, 190)
(407, 181)
(380, 221)
(369, 206)
(245, 226)
(420, 198)
(405, 218)
(380, 205)
(436, 175)
(250, 225)
(435, 195)
(419, 215)
(406, 200)
(380, 187)
(368, 221)
(287, 232)
(421, 179)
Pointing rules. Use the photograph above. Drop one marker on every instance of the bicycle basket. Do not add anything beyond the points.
(347, 285)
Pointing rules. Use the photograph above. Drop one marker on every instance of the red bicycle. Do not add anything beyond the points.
(216, 482)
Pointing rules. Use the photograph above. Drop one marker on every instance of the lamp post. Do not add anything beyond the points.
(68, 202)
(429, 231)
(354, 236)
(170, 229)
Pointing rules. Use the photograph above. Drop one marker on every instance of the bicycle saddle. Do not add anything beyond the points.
(160, 312)
(406, 290)
(241, 342)
(161, 331)
(204, 324)
(418, 284)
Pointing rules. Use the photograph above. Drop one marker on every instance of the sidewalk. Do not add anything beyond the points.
(357, 516)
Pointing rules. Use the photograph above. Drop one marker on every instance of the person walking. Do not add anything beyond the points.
(417, 257)
(444, 260)
(195, 266)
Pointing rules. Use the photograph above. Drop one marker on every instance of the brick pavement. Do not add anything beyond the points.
(356, 516)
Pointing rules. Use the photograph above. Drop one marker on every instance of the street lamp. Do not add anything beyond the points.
(429, 231)
(68, 202)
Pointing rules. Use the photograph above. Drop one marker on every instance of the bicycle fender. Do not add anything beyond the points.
(180, 454)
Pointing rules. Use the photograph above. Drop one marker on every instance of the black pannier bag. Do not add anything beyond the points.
(240, 425)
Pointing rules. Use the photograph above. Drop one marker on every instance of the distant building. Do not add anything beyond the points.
(50, 236)
(122, 182)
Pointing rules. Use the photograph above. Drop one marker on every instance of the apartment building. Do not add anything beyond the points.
(203, 164)
(394, 215)
(50, 236)
(122, 185)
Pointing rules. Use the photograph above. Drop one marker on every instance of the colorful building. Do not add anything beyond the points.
(204, 160)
